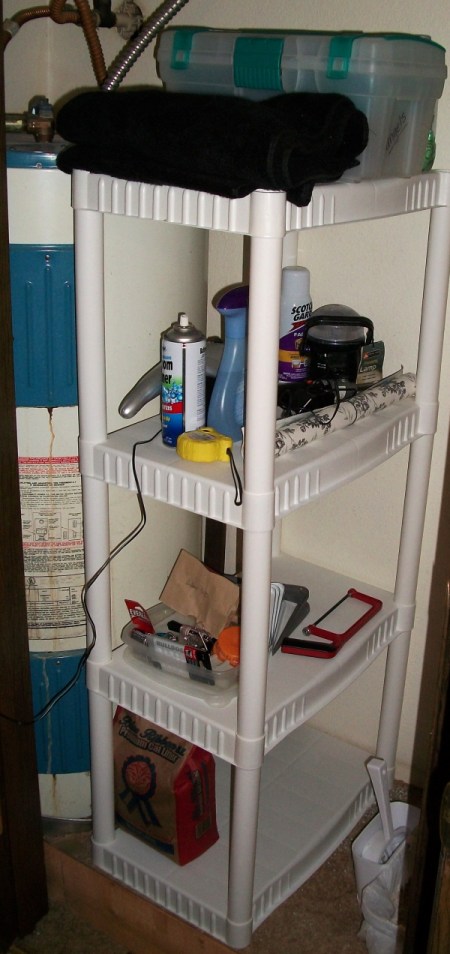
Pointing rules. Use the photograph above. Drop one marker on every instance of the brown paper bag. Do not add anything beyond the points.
(164, 788)
(193, 590)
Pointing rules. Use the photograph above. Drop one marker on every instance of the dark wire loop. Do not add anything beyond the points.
(85, 589)
(236, 478)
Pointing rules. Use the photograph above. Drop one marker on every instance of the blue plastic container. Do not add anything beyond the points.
(227, 405)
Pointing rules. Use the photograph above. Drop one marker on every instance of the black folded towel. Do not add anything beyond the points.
(220, 144)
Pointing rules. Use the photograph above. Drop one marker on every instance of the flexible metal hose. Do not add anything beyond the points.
(153, 26)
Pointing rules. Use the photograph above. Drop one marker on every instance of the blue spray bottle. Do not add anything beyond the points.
(226, 407)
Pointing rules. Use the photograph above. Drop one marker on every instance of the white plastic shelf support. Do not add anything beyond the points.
(269, 710)
(91, 360)
(332, 204)
(209, 490)
(268, 230)
(427, 393)
(285, 857)
(295, 694)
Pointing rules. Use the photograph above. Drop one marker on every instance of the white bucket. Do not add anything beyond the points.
(367, 849)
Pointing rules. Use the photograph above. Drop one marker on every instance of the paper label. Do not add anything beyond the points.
(52, 535)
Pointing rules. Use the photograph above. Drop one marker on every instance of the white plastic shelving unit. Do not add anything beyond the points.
(266, 848)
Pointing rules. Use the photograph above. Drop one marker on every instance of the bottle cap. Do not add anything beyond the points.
(295, 284)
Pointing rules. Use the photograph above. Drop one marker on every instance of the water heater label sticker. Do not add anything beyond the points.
(52, 536)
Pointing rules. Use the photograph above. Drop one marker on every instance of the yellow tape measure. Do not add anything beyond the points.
(205, 445)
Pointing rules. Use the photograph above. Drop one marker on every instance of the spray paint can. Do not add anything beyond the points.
(183, 378)
(296, 308)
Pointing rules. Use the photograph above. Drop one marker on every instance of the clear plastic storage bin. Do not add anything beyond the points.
(395, 79)
(167, 654)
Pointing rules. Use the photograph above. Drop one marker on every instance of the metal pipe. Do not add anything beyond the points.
(15, 122)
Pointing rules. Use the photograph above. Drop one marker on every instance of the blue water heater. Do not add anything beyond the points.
(43, 320)
(43, 303)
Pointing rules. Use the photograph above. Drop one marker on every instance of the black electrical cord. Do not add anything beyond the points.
(44, 711)
(236, 479)
(337, 400)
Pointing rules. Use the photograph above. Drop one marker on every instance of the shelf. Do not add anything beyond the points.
(314, 787)
(331, 204)
(314, 790)
(297, 686)
(208, 489)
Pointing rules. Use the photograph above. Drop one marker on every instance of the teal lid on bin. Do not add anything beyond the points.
(257, 62)
(182, 46)
(340, 55)
(341, 45)
(257, 59)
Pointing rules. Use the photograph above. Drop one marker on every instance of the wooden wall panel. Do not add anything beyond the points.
(23, 893)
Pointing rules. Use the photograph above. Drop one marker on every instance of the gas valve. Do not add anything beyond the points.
(129, 19)
(40, 119)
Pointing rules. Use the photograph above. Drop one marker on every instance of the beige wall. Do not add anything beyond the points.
(375, 268)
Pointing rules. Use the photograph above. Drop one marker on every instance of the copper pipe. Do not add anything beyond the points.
(85, 17)
(82, 15)
(59, 15)
(23, 17)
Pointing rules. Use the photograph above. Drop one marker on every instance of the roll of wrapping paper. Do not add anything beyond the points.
(318, 424)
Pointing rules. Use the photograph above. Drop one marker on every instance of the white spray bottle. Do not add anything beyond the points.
(296, 308)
